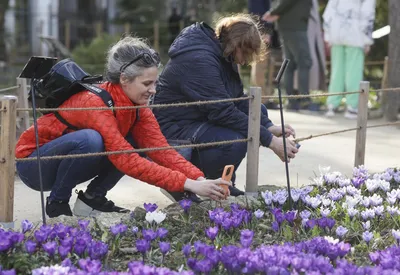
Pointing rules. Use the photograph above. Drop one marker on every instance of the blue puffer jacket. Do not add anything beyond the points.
(197, 71)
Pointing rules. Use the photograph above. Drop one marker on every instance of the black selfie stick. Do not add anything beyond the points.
(32, 91)
(278, 82)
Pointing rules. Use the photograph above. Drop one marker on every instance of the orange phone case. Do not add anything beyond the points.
(227, 175)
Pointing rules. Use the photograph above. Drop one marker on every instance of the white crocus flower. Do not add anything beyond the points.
(331, 240)
(156, 216)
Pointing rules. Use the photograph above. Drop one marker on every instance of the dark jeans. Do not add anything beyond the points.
(296, 49)
(61, 176)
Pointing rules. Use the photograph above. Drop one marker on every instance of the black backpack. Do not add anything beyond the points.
(63, 80)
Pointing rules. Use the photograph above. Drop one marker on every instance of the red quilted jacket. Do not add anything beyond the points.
(169, 169)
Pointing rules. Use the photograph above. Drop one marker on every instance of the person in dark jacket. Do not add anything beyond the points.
(203, 66)
(292, 21)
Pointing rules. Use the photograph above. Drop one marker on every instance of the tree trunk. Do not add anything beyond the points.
(392, 98)
(3, 9)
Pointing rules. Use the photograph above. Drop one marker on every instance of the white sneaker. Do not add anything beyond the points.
(330, 112)
(351, 113)
(81, 209)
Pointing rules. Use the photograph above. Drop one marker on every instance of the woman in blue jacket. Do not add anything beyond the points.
(203, 66)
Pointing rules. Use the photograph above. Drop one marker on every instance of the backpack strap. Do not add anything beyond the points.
(103, 94)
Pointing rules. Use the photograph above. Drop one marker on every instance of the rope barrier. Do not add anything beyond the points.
(385, 124)
(326, 134)
(183, 104)
(312, 95)
(200, 145)
(346, 130)
(9, 88)
(388, 90)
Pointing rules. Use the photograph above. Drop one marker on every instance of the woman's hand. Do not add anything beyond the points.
(276, 145)
(207, 188)
(276, 130)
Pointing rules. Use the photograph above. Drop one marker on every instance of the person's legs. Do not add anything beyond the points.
(212, 160)
(336, 84)
(62, 175)
(354, 68)
(94, 199)
(288, 46)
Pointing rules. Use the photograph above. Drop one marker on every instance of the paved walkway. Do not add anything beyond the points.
(336, 151)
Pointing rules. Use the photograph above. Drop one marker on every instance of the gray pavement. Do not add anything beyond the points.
(336, 151)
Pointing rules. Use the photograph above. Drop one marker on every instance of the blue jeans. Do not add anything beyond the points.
(61, 176)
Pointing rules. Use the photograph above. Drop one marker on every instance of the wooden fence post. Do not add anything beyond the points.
(253, 144)
(7, 159)
(156, 33)
(362, 119)
(23, 122)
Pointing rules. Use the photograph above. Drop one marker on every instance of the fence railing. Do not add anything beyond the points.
(14, 112)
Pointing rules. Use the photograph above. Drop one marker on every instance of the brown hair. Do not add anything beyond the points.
(241, 31)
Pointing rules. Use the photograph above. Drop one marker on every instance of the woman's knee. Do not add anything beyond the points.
(91, 141)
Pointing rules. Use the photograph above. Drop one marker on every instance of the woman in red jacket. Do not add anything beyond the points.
(131, 73)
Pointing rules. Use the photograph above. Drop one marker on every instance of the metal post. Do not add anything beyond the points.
(253, 144)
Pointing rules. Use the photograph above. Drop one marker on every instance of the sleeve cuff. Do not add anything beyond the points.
(266, 137)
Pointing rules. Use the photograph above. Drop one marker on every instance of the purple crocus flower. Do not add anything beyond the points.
(83, 224)
(142, 246)
(8, 272)
(30, 246)
(150, 207)
(90, 266)
(203, 266)
(118, 229)
(149, 234)
(367, 236)
(97, 250)
(50, 248)
(63, 251)
(41, 236)
(26, 226)
(311, 223)
(330, 223)
(135, 230)
(68, 241)
(66, 262)
(186, 249)
(164, 247)
(275, 226)
(246, 237)
(162, 232)
(227, 224)
(185, 204)
(290, 216)
(259, 214)
(212, 232)
(396, 235)
(341, 231)
(16, 237)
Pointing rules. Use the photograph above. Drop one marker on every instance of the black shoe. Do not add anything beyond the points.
(90, 207)
(178, 196)
(235, 192)
(57, 208)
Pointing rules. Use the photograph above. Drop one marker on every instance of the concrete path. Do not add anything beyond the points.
(337, 151)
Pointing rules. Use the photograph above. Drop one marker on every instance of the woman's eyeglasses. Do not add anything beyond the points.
(148, 58)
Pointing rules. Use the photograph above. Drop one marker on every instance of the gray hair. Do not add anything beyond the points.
(123, 52)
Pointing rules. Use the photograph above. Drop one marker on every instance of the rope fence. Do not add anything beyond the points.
(12, 107)
(143, 150)
(8, 89)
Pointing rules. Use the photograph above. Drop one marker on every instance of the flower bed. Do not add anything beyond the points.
(339, 225)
